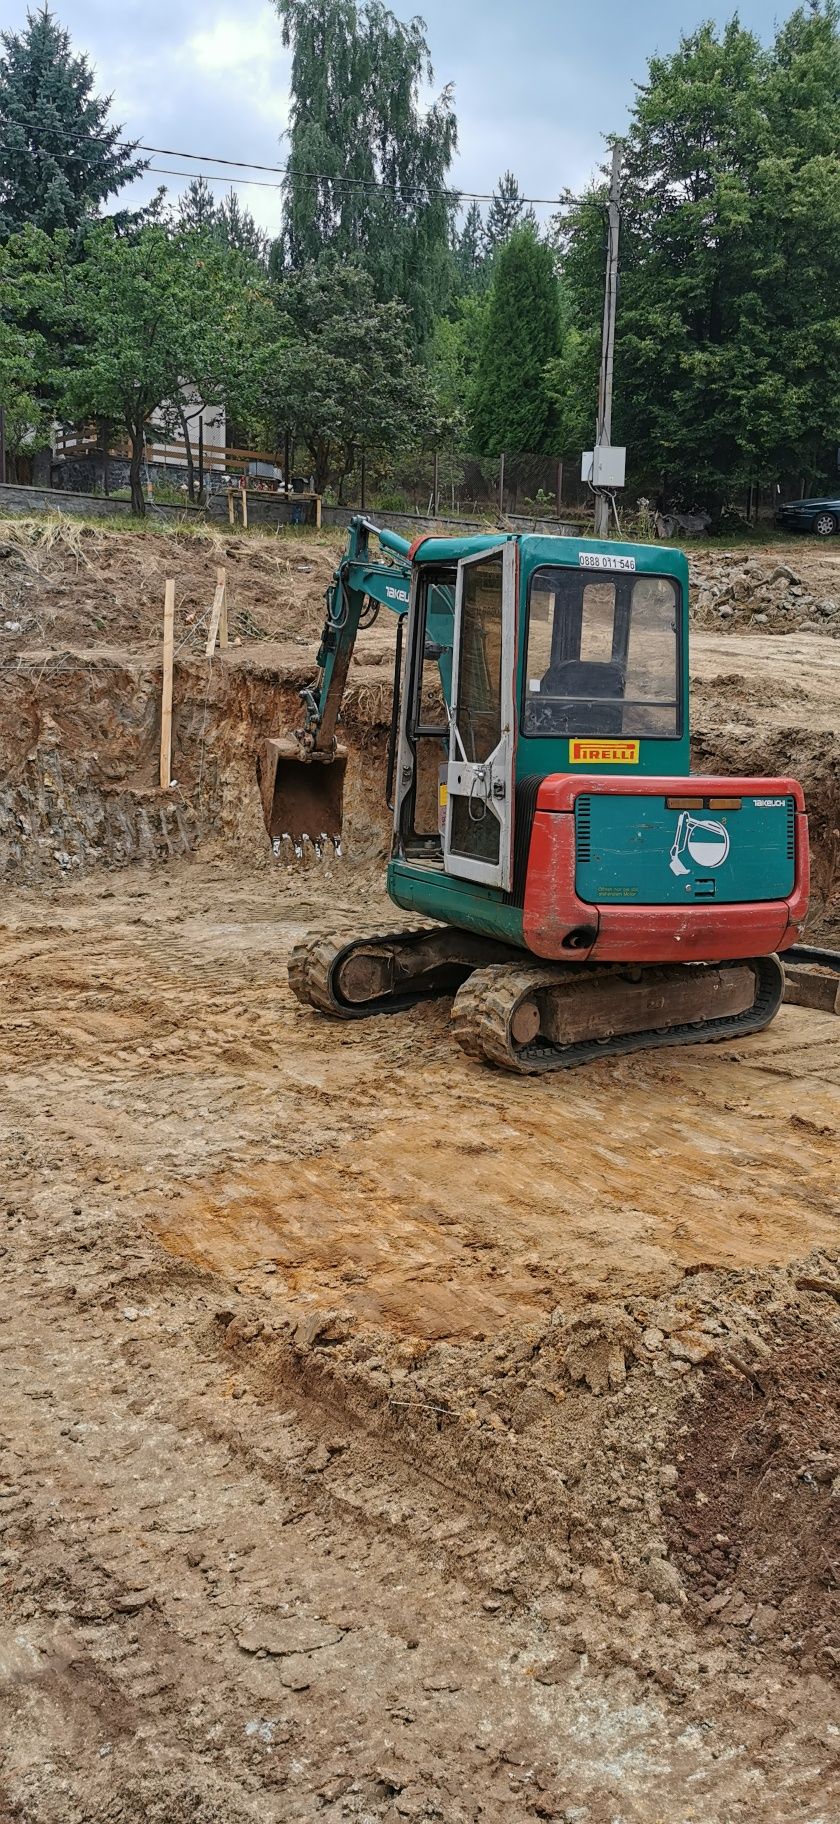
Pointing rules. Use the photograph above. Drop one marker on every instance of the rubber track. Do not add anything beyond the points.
(483, 1010)
(313, 964)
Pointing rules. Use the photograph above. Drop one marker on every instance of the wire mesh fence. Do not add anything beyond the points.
(456, 484)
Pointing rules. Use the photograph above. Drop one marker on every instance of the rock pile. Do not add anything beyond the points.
(734, 589)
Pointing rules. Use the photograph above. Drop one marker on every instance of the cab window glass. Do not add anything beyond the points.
(602, 655)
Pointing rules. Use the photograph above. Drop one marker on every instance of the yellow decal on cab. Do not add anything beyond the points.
(604, 753)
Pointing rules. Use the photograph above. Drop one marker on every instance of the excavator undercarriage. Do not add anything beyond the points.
(524, 1016)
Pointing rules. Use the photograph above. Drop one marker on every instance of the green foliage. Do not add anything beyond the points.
(469, 246)
(237, 230)
(197, 206)
(357, 123)
(22, 359)
(728, 328)
(510, 407)
(506, 213)
(453, 359)
(233, 226)
(341, 371)
(137, 320)
(59, 158)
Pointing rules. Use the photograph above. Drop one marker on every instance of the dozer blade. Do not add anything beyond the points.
(302, 795)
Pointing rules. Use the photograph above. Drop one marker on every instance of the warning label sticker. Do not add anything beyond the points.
(604, 753)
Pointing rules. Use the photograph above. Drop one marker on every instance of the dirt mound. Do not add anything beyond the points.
(756, 1516)
(66, 583)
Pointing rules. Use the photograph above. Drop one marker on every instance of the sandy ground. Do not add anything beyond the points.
(383, 1438)
(324, 1495)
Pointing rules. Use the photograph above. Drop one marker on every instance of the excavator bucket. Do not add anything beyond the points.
(302, 795)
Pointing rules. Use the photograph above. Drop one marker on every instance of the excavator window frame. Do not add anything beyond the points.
(624, 585)
(417, 845)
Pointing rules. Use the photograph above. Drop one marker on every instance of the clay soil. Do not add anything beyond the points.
(382, 1437)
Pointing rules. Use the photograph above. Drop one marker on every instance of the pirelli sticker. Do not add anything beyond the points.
(603, 753)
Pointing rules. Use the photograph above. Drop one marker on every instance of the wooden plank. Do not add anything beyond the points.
(245, 508)
(223, 624)
(231, 509)
(219, 608)
(166, 701)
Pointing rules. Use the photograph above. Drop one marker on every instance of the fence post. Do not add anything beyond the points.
(559, 486)
(435, 489)
(287, 459)
(201, 457)
(502, 485)
(363, 502)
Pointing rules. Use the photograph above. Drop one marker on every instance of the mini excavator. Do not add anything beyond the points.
(589, 895)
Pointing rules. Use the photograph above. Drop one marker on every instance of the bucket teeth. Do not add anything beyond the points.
(302, 848)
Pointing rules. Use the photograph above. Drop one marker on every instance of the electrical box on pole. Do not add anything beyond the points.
(605, 466)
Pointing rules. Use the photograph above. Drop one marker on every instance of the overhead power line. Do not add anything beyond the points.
(566, 201)
(328, 177)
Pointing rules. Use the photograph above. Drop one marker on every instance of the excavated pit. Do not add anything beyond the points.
(479, 1434)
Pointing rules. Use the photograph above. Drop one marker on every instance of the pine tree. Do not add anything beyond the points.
(59, 158)
(197, 206)
(237, 229)
(507, 212)
(510, 407)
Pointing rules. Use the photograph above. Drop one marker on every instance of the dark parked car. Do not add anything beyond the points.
(820, 516)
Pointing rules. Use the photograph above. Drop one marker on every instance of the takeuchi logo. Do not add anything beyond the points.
(604, 753)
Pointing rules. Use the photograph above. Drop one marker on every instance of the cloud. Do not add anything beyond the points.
(246, 51)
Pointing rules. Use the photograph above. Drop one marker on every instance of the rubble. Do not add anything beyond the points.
(736, 590)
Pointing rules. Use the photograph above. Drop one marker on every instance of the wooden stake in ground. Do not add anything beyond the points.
(245, 508)
(231, 508)
(218, 617)
(166, 703)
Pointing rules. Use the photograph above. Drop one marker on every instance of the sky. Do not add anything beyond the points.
(537, 85)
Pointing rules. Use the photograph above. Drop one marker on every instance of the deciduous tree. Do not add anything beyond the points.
(137, 320)
(727, 366)
(342, 372)
(368, 166)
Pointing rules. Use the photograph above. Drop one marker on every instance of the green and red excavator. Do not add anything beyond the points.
(590, 895)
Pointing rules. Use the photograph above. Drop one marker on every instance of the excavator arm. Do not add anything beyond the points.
(302, 776)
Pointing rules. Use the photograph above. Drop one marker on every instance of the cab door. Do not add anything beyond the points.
(478, 839)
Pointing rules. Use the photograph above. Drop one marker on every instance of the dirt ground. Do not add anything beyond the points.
(384, 1438)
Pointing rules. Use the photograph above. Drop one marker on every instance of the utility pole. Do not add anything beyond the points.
(603, 432)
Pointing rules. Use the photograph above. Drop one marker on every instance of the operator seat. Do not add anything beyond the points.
(587, 680)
